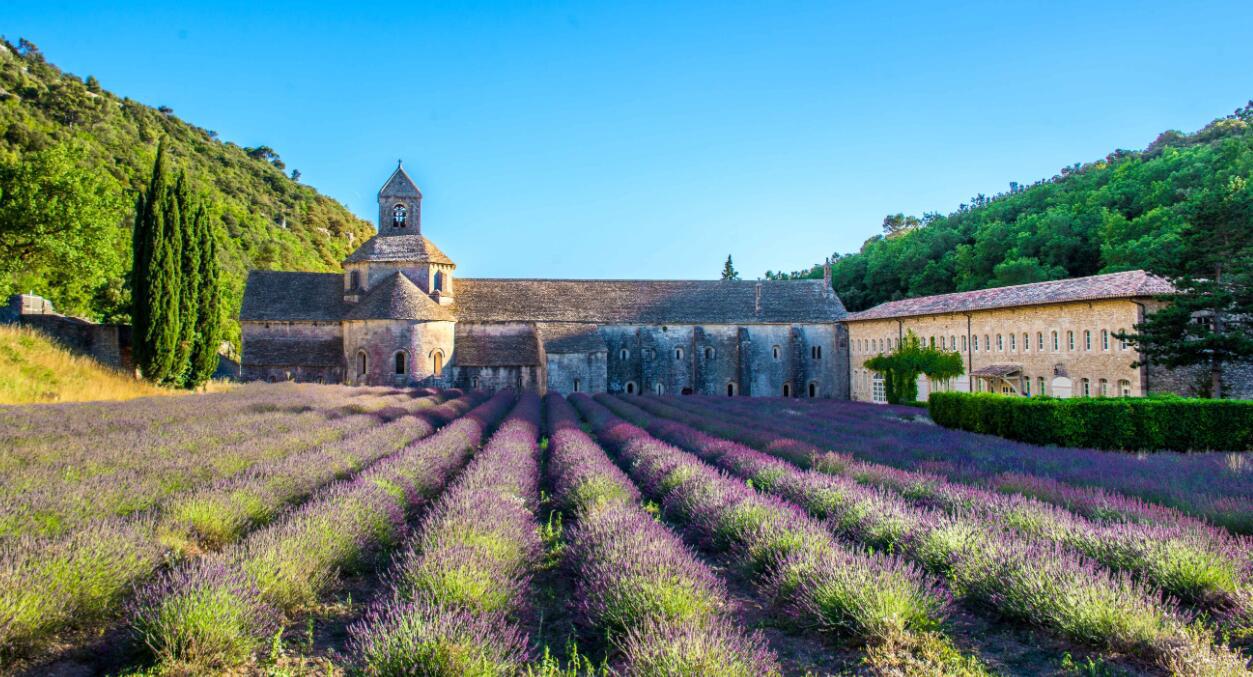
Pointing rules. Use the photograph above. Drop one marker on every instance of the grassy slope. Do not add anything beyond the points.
(267, 220)
(35, 369)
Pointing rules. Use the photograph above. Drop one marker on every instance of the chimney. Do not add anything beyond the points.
(757, 304)
(826, 278)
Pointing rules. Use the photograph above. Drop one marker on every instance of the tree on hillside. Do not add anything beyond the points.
(898, 224)
(1209, 322)
(728, 270)
(208, 326)
(188, 280)
(901, 368)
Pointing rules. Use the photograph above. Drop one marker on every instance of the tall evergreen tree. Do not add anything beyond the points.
(1209, 322)
(728, 270)
(149, 217)
(208, 330)
(165, 328)
(189, 280)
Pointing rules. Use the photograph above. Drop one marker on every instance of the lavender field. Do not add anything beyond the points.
(300, 529)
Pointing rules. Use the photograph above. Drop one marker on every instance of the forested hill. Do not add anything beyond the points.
(72, 157)
(1121, 212)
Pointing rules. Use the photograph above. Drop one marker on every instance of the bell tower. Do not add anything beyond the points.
(400, 205)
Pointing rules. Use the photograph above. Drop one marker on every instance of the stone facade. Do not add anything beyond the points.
(1050, 338)
(109, 344)
(396, 317)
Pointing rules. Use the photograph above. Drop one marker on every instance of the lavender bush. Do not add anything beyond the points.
(290, 563)
(985, 560)
(464, 575)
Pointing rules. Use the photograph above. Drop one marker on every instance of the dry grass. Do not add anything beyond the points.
(35, 369)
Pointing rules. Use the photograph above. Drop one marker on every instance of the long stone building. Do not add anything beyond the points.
(1048, 338)
(399, 315)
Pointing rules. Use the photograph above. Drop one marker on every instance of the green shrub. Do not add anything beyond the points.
(1178, 423)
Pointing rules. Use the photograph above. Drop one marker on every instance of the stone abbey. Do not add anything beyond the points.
(399, 315)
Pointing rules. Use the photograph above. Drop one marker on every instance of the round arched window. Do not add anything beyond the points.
(399, 215)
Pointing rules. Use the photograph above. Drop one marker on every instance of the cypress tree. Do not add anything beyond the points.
(204, 355)
(189, 282)
(164, 327)
(150, 213)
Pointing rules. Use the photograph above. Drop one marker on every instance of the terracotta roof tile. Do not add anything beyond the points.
(1129, 284)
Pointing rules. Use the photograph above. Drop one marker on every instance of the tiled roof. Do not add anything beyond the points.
(398, 248)
(286, 296)
(1129, 284)
(400, 184)
(644, 301)
(272, 295)
(474, 349)
(561, 338)
(398, 298)
(1001, 370)
(275, 351)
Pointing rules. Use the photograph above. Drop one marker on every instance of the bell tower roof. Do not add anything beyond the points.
(400, 184)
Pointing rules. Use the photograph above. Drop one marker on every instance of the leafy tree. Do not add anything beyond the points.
(1209, 322)
(728, 270)
(59, 230)
(912, 357)
(898, 224)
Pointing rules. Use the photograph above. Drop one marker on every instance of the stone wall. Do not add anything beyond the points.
(497, 378)
(291, 351)
(380, 340)
(109, 344)
(997, 337)
(577, 372)
(754, 360)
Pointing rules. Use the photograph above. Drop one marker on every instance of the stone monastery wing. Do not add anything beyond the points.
(1129, 284)
(285, 296)
(567, 338)
(646, 301)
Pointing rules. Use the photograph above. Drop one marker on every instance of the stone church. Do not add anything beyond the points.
(398, 315)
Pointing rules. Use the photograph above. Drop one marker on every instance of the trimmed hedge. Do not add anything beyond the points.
(1134, 424)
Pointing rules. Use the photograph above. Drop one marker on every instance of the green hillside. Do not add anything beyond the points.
(1121, 212)
(72, 157)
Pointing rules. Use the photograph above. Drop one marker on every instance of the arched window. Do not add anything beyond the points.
(1085, 387)
(474, 383)
(1102, 388)
(1104, 339)
(963, 344)
(1087, 340)
(815, 352)
(630, 387)
(877, 393)
(576, 385)
(624, 354)
(1039, 341)
(1055, 346)
(437, 362)
(361, 363)
(813, 390)
(439, 280)
(1122, 343)
(1000, 343)
(987, 343)
(952, 343)
(1070, 341)
(1013, 343)
(787, 389)
(399, 215)
(709, 353)
(731, 389)
(678, 353)
(1026, 342)
(400, 362)
(1124, 388)
(1026, 386)
(659, 388)
(1039, 385)
(974, 343)
(354, 279)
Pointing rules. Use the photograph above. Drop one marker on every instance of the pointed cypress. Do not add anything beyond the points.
(164, 327)
(204, 356)
(147, 226)
(189, 282)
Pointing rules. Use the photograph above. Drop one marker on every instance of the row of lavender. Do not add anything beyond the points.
(1199, 563)
(216, 611)
(1009, 555)
(893, 608)
(52, 484)
(50, 583)
(458, 587)
(637, 584)
(1215, 486)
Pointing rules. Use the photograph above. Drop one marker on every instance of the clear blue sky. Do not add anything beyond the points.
(652, 139)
